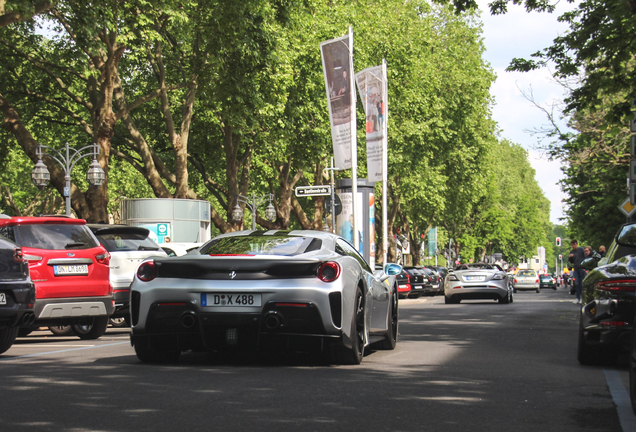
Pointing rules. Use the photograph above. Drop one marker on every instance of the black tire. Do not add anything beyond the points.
(505, 300)
(390, 339)
(147, 354)
(91, 331)
(7, 337)
(66, 330)
(585, 354)
(538, 290)
(119, 322)
(339, 353)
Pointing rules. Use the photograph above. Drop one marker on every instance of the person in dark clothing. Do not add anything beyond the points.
(601, 251)
(577, 255)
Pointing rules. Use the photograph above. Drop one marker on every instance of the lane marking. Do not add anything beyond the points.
(62, 351)
(621, 399)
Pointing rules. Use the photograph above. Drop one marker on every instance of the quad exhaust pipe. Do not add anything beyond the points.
(273, 320)
(27, 319)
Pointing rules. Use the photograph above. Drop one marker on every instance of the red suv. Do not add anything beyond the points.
(70, 271)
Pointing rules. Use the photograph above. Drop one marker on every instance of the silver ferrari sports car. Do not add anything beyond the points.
(300, 290)
(477, 281)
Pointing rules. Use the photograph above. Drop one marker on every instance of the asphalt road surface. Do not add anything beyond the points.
(475, 366)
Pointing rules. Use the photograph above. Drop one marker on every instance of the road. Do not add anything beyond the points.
(475, 366)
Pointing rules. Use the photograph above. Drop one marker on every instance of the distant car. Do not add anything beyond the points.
(416, 281)
(479, 281)
(547, 281)
(433, 282)
(250, 290)
(179, 249)
(128, 247)
(17, 293)
(526, 280)
(70, 270)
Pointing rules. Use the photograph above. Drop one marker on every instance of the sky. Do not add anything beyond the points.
(520, 34)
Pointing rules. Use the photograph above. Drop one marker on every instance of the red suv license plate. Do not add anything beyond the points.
(63, 270)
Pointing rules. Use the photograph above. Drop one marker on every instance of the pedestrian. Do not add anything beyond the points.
(577, 255)
(601, 251)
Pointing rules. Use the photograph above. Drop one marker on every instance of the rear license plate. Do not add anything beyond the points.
(230, 300)
(475, 278)
(3, 299)
(63, 270)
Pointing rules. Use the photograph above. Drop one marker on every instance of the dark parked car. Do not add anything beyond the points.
(547, 281)
(416, 280)
(609, 311)
(433, 281)
(17, 293)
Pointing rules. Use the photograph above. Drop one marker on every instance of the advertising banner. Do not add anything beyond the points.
(371, 87)
(337, 65)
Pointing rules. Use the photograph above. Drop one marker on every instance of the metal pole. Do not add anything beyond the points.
(354, 146)
(333, 200)
(253, 211)
(67, 178)
(385, 169)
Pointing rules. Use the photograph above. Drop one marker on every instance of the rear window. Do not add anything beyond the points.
(55, 236)
(261, 245)
(124, 242)
(525, 273)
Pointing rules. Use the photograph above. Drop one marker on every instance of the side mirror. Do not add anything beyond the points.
(627, 235)
(589, 263)
(393, 269)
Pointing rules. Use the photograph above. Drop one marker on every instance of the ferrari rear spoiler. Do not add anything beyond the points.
(232, 267)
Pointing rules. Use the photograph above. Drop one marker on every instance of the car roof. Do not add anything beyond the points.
(36, 220)
(99, 229)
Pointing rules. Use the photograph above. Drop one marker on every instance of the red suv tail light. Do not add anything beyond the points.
(147, 271)
(103, 258)
(18, 256)
(329, 271)
(32, 258)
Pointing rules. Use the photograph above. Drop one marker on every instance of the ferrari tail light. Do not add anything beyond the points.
(452, 277)
(329, 271)
(624, 285)
(147, 271)
(103, 258)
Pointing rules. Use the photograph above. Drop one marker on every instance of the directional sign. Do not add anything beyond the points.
(302, 191)
(627, 208)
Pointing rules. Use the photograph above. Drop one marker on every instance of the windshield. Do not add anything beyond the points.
(55, 236)
(261, 245)
(122, 242)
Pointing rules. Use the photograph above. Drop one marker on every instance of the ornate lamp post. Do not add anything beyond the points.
(41, 176)
(253, 203)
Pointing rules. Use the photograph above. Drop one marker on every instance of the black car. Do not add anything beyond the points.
(609, 311)
(17, 293)
(416, 281)
(433, 281)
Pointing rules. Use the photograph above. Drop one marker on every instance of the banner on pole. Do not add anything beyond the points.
(337, 65)
(371, 87)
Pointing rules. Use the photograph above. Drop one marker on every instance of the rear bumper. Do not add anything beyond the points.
(20, 298)
(70, 310)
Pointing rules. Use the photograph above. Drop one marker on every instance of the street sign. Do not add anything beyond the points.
(627, 208)
(302, 191)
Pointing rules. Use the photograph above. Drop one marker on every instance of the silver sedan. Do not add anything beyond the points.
(526, 280)
(308, 290)
(477, 282)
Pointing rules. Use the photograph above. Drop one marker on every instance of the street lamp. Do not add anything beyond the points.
(253, 203)
(41, 176)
